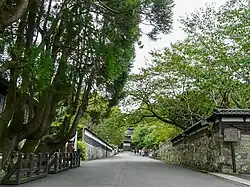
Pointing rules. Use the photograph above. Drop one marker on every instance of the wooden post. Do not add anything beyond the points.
(79, 157)
(60, 161)
(66, 157)
(70, 160)
(74, 159)
(46, 170)
(56, 163)
(233, 157)
(30, 165)
(39, 163)
(19, 168)
(64, 160)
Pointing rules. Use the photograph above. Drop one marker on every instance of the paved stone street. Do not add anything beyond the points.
(127, 170)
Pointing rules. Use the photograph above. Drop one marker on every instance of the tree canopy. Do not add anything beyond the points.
(184, 82)
(68, 62)
(207, 70)
(150, 135)
(56, 55)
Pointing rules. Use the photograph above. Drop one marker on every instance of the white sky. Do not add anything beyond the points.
(182, 7)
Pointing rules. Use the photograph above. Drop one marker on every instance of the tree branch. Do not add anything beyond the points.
(142, 117)
(166, 120)
(234, 100)
(9, 65)
(108, 8)
(2, 3)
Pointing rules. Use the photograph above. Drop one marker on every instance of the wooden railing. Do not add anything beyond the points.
(75, 160)
(27, 169)
(59, 163)
(38, 166)
(63, 161)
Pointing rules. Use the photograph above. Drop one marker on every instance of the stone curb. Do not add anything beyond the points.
(231, 178)
(194, 169)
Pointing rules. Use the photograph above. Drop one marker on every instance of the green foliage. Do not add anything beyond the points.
(159, 14)
(207, 70)
(81, 145)
(41, 67)
(112, 128)
(150, 135)
(73, 58)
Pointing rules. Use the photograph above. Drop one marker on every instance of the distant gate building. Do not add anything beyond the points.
(127, 139)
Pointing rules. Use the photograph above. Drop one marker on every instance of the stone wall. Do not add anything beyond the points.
(207, 152)
(96, 148)
(242, 155)
(93, 152)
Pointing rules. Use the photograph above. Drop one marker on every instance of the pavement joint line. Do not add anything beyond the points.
(122, 174)
(231, 178)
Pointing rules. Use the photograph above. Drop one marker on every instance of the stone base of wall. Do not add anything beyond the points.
(207, 153)
(93, 152)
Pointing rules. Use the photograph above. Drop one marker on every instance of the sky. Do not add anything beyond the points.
(182, 7)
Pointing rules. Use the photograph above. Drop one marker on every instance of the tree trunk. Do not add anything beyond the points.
(10, 16)
(10, 143)
(10, 104)
(51, 143)
(29, 146)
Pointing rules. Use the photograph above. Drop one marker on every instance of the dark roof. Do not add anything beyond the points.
(233, 111)
(98, 137)
(190, 129)
(202, 123)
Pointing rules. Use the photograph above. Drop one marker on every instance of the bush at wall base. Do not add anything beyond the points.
(81, 145)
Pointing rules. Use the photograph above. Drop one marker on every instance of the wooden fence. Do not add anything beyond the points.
(27, 169)
(63, 161)
(59, 162)
(34, 167)
(75, 160)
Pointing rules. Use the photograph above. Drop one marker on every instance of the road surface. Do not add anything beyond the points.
(128, 170)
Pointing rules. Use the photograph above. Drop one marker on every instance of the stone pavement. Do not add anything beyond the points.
(128, 170)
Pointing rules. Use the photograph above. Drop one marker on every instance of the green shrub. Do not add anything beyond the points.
(81, 145)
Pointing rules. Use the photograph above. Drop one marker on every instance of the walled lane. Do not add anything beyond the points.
(128, 170)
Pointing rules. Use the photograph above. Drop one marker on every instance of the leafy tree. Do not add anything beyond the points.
(112, 128)
(208, 70)
(58, 54)
(150, 135)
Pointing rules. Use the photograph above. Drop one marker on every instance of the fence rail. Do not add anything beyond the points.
(27, 169)
(63, 161)
(34, 167)
(59, 163)
(75, 160)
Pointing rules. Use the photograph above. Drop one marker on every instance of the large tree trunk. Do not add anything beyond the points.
(29, 146)
(11, 15)
(10, 143)
(17, 131)
(52, 143)
(10, 105)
